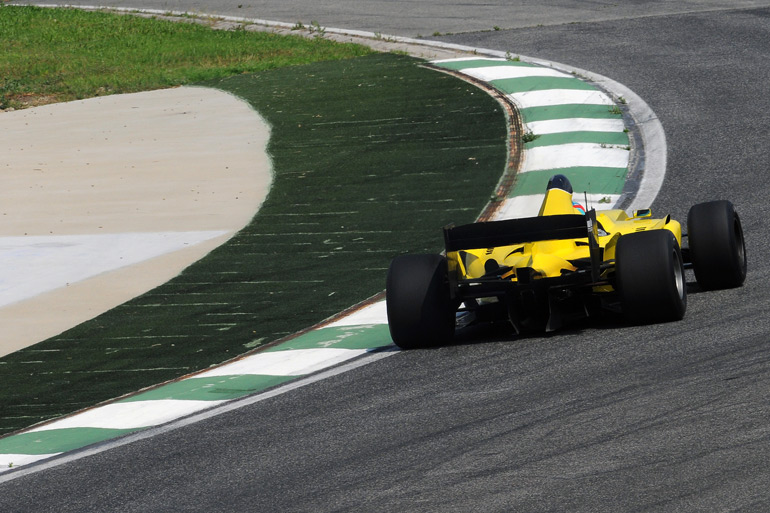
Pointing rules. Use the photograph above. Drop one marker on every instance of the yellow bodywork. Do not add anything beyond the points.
(552, 258)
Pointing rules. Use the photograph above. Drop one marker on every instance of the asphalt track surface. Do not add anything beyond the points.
(600, 417)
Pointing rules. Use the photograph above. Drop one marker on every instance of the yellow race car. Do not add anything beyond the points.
(539, 272)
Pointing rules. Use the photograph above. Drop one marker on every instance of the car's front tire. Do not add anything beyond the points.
(650, 277)
(717, 248)
(419, 306)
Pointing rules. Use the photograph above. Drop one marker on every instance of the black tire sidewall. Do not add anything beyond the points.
(716, 245)
(646, 270)
(419, 308)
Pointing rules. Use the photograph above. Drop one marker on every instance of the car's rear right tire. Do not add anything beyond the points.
(419, 306)
(650, 277)
(717, 248)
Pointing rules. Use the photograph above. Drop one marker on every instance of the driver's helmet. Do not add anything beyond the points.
(562, 182)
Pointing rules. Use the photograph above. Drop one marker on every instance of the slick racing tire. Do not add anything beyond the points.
(650, 277)
(717, 248)
(420, 310)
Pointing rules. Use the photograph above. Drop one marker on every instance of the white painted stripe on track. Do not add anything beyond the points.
(529, 205)
(370, 315)
(9, 461)
(295, 362)
(129, 415)
(553, 97)
(574, 154)
(557, 126)
(597, 201)
(520, 206)
(490, 73)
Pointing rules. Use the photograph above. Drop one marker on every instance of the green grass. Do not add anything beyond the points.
(371, 156)
(64, 54)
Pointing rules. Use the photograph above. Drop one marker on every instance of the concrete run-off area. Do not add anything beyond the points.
(104, 199)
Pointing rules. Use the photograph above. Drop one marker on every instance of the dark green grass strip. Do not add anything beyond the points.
(372, 156)
(531, 114)
(345, 337)
(58, 440)
(213, 388)
(525, 84)
(607, 138)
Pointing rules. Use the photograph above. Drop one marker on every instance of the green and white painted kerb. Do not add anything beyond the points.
(363, 331)
(573, 128)
(578, 132)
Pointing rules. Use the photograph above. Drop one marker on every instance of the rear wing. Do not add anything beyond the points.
(493, 234)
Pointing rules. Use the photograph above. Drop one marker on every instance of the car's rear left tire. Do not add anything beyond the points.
(650, 277)
(419, 306)
(717, 247)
